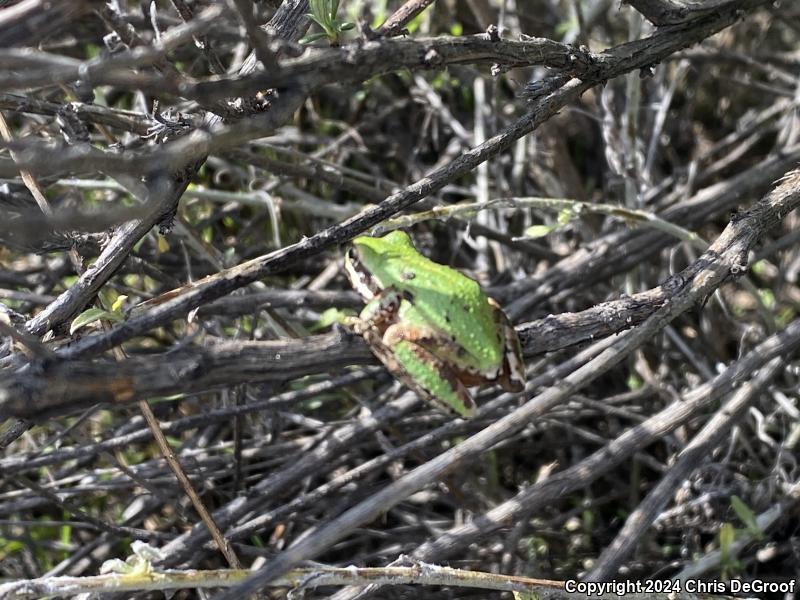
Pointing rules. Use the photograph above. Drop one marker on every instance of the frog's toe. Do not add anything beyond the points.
(512, 372)
(512, 376)
(459, 399)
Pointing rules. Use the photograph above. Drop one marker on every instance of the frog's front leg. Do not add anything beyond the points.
(422, 371)
(511, 376)
(378, 313)
(375, 318)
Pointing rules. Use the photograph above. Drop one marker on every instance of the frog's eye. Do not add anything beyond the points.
(408, 275)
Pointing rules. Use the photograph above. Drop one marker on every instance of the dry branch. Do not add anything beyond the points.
(726, 258)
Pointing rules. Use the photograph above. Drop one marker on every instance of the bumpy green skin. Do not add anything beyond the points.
(430, 377)
(431, 326)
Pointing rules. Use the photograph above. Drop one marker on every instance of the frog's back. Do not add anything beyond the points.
(450, 301)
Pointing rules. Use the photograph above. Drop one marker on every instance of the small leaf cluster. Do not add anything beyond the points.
(728, 534)
(94, 314)
(323, 13)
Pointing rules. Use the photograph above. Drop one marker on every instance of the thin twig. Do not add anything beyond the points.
(308, 578)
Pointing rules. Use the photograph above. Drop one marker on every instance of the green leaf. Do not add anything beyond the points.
(317, 8)
(324, 13)
(163, 244)
(318, 20)
(106, 298)
(90, 316)
(117, 305)
(767, 297)
(727, 533)
(538, 231)
(66, 537)
(346, 26)
(634, 382)
(329, 317)
(9, 547)
(760, 268)
(313, 37)
(746, 516)
(565, 216)
(566, 26)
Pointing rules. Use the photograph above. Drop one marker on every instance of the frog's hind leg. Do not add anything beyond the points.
(512, 373)
(425, 373)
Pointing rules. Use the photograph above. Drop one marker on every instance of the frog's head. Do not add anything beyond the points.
(368, 259)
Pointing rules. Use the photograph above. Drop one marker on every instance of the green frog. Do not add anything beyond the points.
(432, 327)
